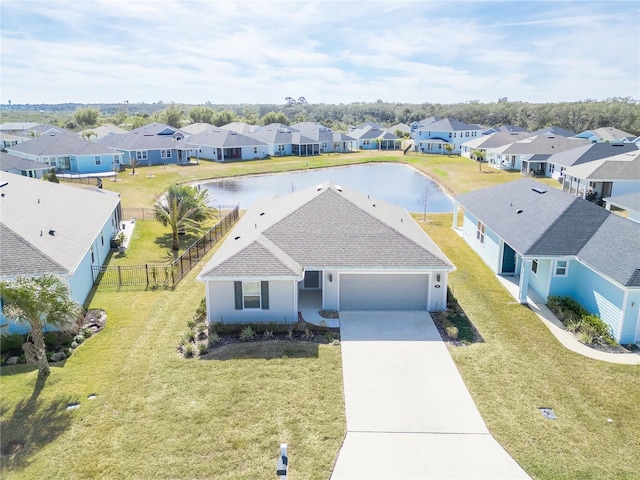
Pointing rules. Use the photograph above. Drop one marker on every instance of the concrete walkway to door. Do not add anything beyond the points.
(409, 414)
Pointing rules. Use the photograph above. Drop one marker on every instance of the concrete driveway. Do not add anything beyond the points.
(409, 414)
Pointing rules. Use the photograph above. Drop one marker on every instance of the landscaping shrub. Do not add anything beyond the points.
(188, 350)
(202, 348)
(213, 338)
(9, 343)
(452, 332)
(247, 334)
(65, 339)
(87, 332)
(79, 339)
(267, 334)
(589, 328)
(51, 339)
(201, 312)
(600, 328)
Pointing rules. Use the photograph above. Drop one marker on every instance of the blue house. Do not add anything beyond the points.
(558, 244)
(50, 228)
(68, 153)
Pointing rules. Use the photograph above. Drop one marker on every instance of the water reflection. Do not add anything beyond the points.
(393, 183)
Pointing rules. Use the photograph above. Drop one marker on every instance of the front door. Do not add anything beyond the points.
(508, 259)
(312, 279)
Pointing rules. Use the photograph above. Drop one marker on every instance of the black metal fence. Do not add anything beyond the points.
(148, 213)
(166, 276)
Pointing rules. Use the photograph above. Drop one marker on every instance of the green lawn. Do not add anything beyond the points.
(520, 366)
(158, 415)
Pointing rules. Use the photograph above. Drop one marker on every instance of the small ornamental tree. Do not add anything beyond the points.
(39, 302)
(449, 148)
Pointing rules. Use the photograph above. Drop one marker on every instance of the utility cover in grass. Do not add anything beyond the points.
(548, 413)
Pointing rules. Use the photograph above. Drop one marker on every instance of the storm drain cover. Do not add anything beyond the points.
(548, 413)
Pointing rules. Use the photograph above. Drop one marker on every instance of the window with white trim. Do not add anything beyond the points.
(281, 148)
(365, 142)
(165, 153)
(251, 295)
(98, 160)
(534, 267)
(141, 155)
(480, 232)
(561, 268)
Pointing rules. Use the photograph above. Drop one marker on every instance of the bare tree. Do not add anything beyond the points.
(424, 201)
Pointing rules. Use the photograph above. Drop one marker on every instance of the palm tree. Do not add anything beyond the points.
(478, 155)
(182, 208)
(39, 302)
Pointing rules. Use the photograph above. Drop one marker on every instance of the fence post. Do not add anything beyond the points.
(146, 269)
(119, 277)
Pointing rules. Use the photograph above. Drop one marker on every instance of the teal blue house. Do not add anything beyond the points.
(557, 244)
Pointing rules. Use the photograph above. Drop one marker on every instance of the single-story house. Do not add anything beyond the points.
(68, 153)
(278, 138)
(529, 155)
(344, 248)
(22, 166)
(102, 131)
(558, 244)
(553, 130)
(9, 140)
(223, 145)
(629, 202)
(557, 163)
(152, 144)
(324, 140)
(50, 228)
(492, 140)
(606, 177)
(506, 129)
(432, 137)
(375, 137)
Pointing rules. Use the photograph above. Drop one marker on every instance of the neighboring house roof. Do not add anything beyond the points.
(321, 227)
(18, 126)
(240, 127)
(161, 129)
(449, 125)
(403, 127)
(606, 134)
(552, 129)
(625, 166)
(43, 129)
(32, 208)
(9, 162)
(104, 130)
(511, 128)
(372, 132)
(139, 140)
(555, 223)
(273, 133)
(317, 132)
(545, 144)
(426, 121)
(55, 143)
(223, 138)
(628, 202)
(590, 152)
(494, 140)
(198, 128)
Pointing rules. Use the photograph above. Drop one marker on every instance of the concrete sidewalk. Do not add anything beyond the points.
(555, 326)
(409, 414)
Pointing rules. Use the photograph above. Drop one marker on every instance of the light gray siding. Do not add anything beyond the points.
(282, 303)
(380, 291)
(330, 290)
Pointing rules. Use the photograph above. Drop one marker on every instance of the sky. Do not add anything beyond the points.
(232, 52)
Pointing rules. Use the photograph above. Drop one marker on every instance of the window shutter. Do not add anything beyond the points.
(264, 289)
(238, 290)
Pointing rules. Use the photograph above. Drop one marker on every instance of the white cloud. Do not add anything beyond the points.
(331, 52)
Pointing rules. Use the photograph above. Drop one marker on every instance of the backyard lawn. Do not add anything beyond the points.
(158, 415)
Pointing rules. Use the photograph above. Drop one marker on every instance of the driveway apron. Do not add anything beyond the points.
(409, 414)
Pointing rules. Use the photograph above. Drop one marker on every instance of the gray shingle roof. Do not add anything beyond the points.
(589, 152)
(625, 166)
(31, 208)
(555, 223)
(629, 201)
(552, 129)
(32, 261)
(223, 138)
(497, 139)
(543, 144)
(9, 162)
(325, 227)
(60, 144)
(136, 140)
(449, 125)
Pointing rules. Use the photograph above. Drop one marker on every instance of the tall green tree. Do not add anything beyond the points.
(183, 207)
(86, 116)
(38, 302)
(274, 117)
(172, 116)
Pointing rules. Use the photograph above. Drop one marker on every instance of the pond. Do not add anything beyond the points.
(393, 183)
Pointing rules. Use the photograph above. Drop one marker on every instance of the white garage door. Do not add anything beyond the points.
(383, 292)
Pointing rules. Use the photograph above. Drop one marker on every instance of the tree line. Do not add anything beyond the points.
(621, 113)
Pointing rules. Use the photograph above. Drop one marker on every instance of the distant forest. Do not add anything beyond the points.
(621, 113)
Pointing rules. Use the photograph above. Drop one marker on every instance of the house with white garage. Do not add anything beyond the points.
(342, 247)
(558, 244)
(50, 228)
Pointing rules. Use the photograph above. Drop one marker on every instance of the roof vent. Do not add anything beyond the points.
(318, 187)
(237, 238)
(539, 190)
(52, 233)
(519, 211)
(339, 188)
(261, 213)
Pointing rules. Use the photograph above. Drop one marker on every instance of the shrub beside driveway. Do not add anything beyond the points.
(521, 367)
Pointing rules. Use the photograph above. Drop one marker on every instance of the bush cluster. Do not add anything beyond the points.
(589, 328)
